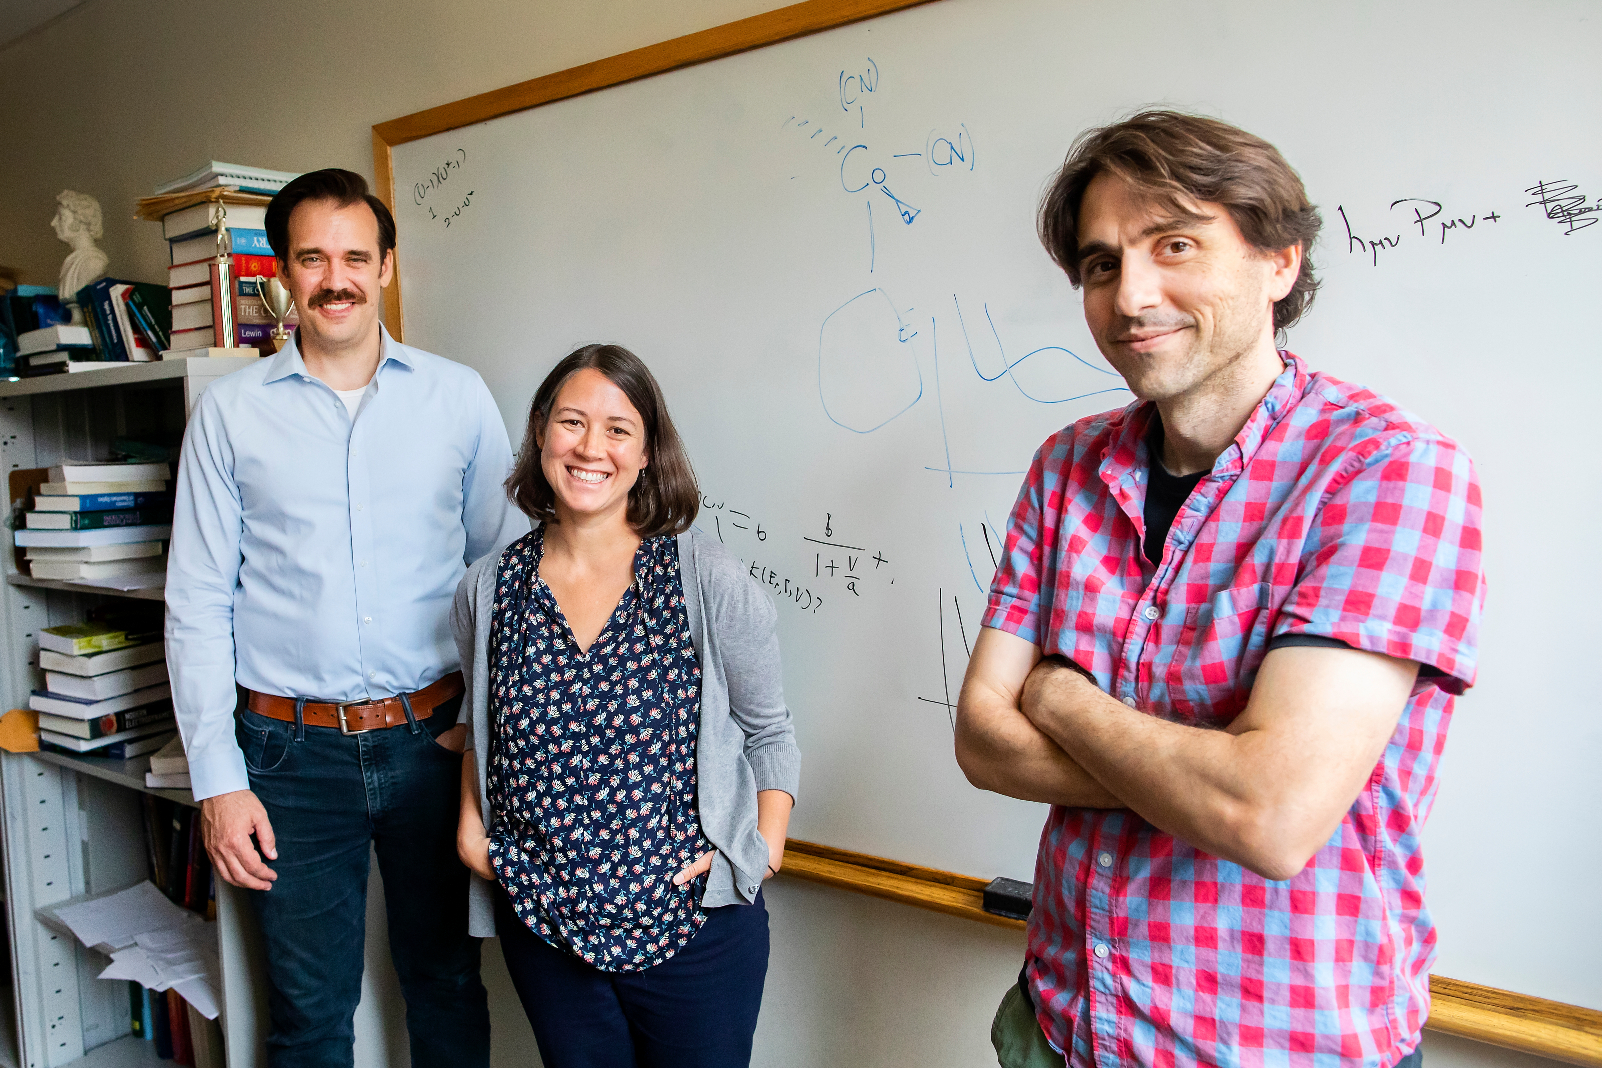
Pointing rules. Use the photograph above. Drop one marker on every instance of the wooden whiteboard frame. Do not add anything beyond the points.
(785, 24)
(1544, 1028)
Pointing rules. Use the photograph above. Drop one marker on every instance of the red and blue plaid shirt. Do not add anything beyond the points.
(1334, 513)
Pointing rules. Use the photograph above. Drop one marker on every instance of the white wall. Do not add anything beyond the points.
(119, 95)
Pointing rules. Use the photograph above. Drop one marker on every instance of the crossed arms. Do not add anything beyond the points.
(1266, 792)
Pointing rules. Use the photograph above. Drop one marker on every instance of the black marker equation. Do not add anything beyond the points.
(438, 176)
(1428, 216)
(463, 206)
(839, 563)
(1563, 203)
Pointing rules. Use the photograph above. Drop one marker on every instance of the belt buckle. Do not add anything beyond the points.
(340, 711)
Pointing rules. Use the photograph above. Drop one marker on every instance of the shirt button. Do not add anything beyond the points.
(358, 507)
(1101, 950)
(1105, 860)
(1151, 612)
(367, 619)
(372, 674)
(1130, 701)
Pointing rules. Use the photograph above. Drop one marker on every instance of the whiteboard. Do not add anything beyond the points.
(825, 250)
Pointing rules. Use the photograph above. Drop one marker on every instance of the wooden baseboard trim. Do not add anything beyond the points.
(1550, 1029)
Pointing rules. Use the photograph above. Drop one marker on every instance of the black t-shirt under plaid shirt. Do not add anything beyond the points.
(592, 763)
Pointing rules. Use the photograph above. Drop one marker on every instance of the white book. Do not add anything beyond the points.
(89, 745)
(217, 173)
(77, 708)
(191, 294)
(79, 538)
(100, 663)
(170, 759)
(111, 684)
(78, 489)
(199, 218)
(131, 551)
(185, 354)
(61, 336)
(67, 570)
(168, 781)
(109, 471)
(192, 316)
(140, 350)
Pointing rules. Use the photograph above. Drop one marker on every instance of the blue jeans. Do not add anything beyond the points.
(698, 1009)
(331, 798)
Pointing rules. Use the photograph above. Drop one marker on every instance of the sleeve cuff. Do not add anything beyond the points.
(211, 774)
(777, 766)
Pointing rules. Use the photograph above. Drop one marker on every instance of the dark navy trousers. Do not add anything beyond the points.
(698, 1009)
(332, 799)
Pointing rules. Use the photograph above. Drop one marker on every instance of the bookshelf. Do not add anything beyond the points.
(72, 824)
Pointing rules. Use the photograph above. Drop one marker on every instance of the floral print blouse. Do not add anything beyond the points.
(591, 769)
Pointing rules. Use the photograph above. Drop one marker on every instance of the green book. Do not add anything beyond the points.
(152, 308)
(126, 517)
(79, 639)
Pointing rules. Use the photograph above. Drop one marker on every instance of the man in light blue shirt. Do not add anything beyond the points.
(329, 499)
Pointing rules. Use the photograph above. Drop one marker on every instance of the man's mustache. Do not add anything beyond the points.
(330, 296)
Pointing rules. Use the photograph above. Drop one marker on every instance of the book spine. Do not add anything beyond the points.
(162, 1020)
(250, 242)
(146, 320)
(251, 335)
(113, 722)
(133, 517)
(247, 267)
(105, 502)
(182, 1050)
(136, 1008)
(149, 1016)
(108, 320)
(147, 808)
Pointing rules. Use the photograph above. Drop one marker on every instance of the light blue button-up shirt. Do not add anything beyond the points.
(314, 555)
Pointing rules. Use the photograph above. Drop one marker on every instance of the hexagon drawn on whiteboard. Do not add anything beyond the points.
(867, 370)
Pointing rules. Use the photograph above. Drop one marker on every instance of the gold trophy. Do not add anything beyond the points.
(279, 304)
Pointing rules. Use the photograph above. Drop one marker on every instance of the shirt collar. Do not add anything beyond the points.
(287, 361)
(1128, 446)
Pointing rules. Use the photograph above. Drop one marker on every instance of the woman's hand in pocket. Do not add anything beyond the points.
(474, 851)
(700, 866)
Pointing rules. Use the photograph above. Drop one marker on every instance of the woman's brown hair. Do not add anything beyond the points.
(1175, 160)
(665, 497)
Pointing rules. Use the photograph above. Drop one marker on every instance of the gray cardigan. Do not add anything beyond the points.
(746, 740)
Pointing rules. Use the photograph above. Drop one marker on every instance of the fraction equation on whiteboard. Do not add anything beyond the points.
(838, 565)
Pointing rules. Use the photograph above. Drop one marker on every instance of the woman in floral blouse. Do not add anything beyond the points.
(632, 763)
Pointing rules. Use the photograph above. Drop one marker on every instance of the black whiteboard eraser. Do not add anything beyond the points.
(1009, 897)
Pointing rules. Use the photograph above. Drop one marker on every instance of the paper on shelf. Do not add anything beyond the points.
(181, 958)
(143, 580)
(113, 922)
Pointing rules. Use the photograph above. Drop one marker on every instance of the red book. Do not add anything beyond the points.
(248, 266)
(195, 870)
(183, 1044)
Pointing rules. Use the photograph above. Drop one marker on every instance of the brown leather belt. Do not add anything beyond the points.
(359, 716)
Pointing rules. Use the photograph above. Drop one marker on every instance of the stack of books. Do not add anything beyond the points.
(193, 212)
(99, 521)
(106, 691)
(34, 313)
(169, 767)
(55, 350)
(127, 321)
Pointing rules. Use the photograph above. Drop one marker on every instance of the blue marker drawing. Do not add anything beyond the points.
(1007, 366)
(944, 154)
(868, 374)
(967, 556)
(870, 237)
(940, 403)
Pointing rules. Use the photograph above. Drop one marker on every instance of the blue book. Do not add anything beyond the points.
(243, 242)
(95, 300)
(100, 502)
(147, 1030)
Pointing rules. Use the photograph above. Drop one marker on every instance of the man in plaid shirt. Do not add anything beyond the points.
(1224, 644)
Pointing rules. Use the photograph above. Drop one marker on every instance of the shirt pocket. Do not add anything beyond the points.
(1219, 649)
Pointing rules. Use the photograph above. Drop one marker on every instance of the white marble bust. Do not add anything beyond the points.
(78, 223)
